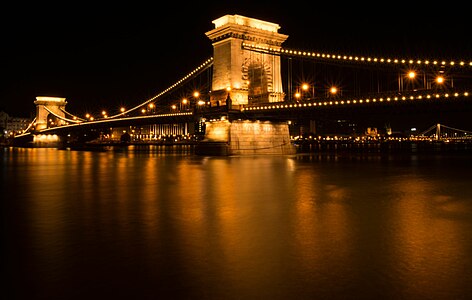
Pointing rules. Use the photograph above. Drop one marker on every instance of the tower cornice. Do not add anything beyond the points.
(246, 29)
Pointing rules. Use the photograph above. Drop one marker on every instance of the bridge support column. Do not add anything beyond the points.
(47, 105)
(245, 137)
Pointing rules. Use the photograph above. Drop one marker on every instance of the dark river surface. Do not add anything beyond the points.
(164, 223)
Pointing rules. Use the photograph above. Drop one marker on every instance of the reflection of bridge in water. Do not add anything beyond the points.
(274, 93)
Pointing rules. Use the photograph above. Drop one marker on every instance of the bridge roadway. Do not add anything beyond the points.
(381, 107)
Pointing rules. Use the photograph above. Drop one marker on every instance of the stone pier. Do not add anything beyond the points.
(245, 138)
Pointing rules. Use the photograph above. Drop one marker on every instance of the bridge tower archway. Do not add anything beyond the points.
(243, 75)
(45, 106)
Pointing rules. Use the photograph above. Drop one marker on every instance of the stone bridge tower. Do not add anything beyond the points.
(246, 76)
(47, 105)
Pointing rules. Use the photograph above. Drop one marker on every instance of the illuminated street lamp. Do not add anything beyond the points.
(198, 103)
(439, 79)
(184, 103)
(151, 107)
(305, 87)
(333, 90)
(411, 76)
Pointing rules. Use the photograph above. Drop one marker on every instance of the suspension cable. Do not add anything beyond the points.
(61, 117)
(204, 66)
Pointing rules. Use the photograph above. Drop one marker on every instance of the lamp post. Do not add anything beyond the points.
(297, 96)
(151, 107)
(184, 103)
(411, 76)
(305, 87)
(196, 96)
(333, 91)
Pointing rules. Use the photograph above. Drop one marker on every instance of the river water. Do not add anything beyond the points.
(160, 222)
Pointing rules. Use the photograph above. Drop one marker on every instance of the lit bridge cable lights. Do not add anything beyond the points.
(327, 102)
(355, 58)
(204, 66)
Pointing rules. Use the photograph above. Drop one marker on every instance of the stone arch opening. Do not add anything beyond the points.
(257, 74)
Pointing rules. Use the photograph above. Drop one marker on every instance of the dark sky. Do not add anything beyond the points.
(100, 55)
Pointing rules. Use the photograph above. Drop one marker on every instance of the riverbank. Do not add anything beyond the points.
(306, 146)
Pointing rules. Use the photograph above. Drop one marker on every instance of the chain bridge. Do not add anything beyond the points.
(252, 95)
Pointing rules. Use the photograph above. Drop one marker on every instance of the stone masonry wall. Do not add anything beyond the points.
(254, 137)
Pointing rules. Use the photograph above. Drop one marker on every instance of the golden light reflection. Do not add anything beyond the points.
(47, 234)
(307, 225)
(251, 222)
(249, 226)
(427, 242)
(196, 209)
(323, 222)
(150, 211)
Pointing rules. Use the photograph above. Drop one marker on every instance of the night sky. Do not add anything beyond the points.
(102, 56)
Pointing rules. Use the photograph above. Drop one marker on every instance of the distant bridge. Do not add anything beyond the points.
(440, 132)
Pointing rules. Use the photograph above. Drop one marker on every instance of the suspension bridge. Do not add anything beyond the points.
(252, 93)
(440, 132)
